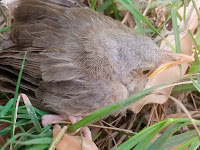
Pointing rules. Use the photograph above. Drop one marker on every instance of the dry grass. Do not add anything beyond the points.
(117, 129)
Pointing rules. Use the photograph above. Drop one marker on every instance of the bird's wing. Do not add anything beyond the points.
(51, 73)
(67, 3)
(12, 53)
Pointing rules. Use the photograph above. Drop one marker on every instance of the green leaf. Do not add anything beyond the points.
(194, 69)
(32, 114)
(128, 4)
(186, 144)
(20, 122)
(93, 2)
(148, 133)
(197, 36)
(96, 137)
(184, 12)
(197, 11)
(116, 11)
(165, 136)
(130, 143)
(179, 139)
(37, 140)
(15, 96)
(5, 29)
(7, 107)
(183, 88)
(3, 13)
(196, 84)
(196, 65)
(44, 140)
(194, 41)
(148, 137)
(104, 6)
(194, 146)
(38, 147)
(138, 22)
(175, 29)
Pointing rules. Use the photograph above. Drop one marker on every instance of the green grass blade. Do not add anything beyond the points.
(5, 29)
(37, 140)
(184, 12)
(3, 13)
(194, 42)
(3, 120)
(179, 139)
(196, 65)
(20, 122)
(128, 4)
(138, 22)
(140, 122)
(186, 144)
(194, 145)
(175, 29)
(7, 107)
(38, 147)
(195, 68)
(196, 84)
(183, 88)
(96, 137)
(32, 114)
(45, 129)
(163, 25)
(115, 10)
(198, 78)
(15, 96)
(168, 133)
(130, 143)
(197, 36)
(197, 11)
(93, 2)
(41, 113)
(104, 6)
(45, 140)
(148, 138)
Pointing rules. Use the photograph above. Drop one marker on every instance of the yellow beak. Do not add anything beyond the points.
(182, 58)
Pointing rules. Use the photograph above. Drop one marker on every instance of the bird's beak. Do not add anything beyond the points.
(178, 59)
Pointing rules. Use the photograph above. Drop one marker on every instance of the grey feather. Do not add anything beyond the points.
(77, 60)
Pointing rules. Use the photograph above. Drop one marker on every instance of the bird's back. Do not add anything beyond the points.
(60, 72)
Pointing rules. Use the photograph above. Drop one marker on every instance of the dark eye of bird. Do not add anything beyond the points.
(144, 72)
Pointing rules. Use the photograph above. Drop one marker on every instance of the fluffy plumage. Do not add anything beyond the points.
(77, 60)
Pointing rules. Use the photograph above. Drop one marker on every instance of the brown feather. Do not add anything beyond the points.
(77, 60)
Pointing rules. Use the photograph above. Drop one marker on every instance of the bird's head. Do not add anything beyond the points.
(137, 58)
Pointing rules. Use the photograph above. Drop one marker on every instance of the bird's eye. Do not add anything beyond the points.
(144, 72)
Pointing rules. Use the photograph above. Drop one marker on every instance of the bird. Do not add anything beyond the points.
(78, 60)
